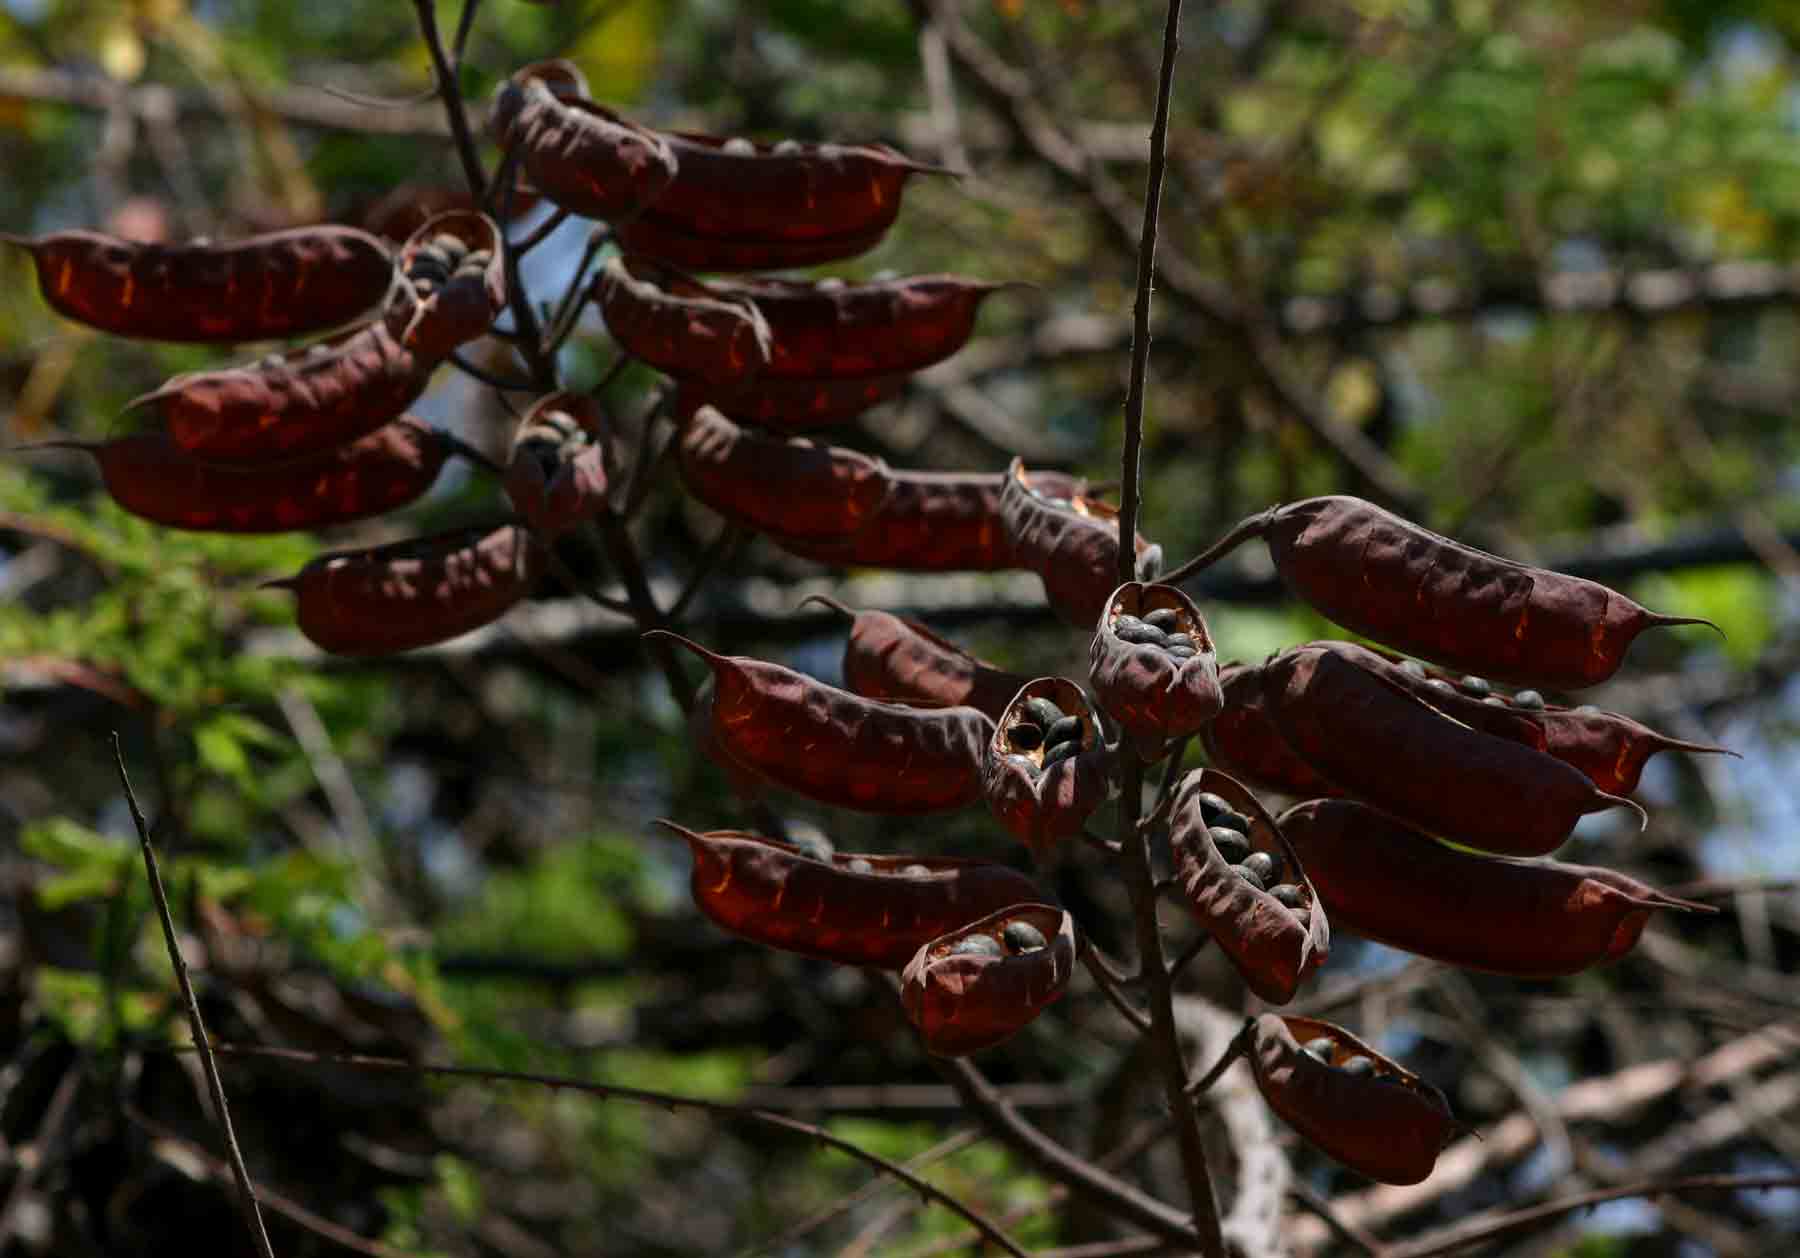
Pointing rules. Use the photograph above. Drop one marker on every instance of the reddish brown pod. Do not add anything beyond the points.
(840, 748)
(150, 476)
(413, 593)
(1243, 741)
(1407, 587)
(1379, 744)
(556, 475)
(455, 283)
(1246, 885)
(402, 210)
(261, 288)
(799, 406)
(1360, 1108)
(585, 158)
(902, 661)
(735, 205)
(819, 492)
(1528, 919)
(1152, 664)
(745, 782)
(978, 986)
(294, 404)
(1047, 766)
(1071, 543)
(677, 325)
(844, 907)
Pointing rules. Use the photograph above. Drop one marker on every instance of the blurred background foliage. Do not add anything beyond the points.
(1529, 270)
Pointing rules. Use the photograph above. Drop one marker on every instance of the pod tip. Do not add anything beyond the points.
(1660, 621)
(826, 601)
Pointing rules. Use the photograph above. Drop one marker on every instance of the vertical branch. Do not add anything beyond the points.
(452, 94)
(197, 1028)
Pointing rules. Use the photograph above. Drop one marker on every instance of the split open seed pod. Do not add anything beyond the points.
(453, 283)
(1378, 1119)
(1071, 543)
(1243, 740)
(977, 986)
(1273, 944)
(1161, 685)
(1047, 765)
(556, 476)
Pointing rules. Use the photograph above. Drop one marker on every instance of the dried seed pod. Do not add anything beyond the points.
(1272, 945)
(1073, 549)
(770, 207)
(1529, 919)
(840, 748)
(398, 213)
(261, 288)
(413, 593)
(556, 475)
(1041, 793)
(1243, 741)
(677, 325)
(459, 306)
(825, 492)
(1154, 696)
(1385, 747)
(585, 158)
(150, 476)
(1407, 587)
(296, 404)
(1384, 1122)
(773, 894)
(899, 660)
(746, 783)
(963, 1002)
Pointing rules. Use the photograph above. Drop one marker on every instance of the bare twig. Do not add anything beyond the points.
(452, 97)
(1111, 984)
(241, 1173)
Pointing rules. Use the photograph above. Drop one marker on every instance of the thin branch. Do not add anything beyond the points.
(730, 540)
(492, 380)
(1195, 947)
(197, 1028)
(542, 232)
(670, 1100)
(1240, 1044)
(1112, 984)
(452, 97)
(1320, 1206)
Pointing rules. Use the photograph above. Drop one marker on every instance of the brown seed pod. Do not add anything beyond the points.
(746, 783)
(1529, 919)
(261, 288)
(1073, 548)
(1272, 945)
(825, 493)
(556, 475)
(413, 593)
(676, 325)
(152, 477)
(1386, 1123)
(293, 404)
(799, 406)
(1154, 695)
(1244, 742)
(1407, 587)
(402, 210)
(737, 206)
(441, 307)
(1382, 746)
(774, 894)
(1040, 793)
(963, 1002)
(840, 748)
(890, 657)
(585, 158)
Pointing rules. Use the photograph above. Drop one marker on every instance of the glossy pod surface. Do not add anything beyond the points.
(1073, 548)
(1039, 798)
(1528, 919)
(556, 473)
(900, 660)
(1154, 695)
(1243, 741)
(825, 493)
(963, 1002)
(260, 288)
(876, 914)
(678, 326)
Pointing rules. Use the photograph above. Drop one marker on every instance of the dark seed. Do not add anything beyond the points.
(915, 871)
(1025, 763)
(1181, 639)
(976, 946)
(479, 258)
(1140, 634)
(1066, 730)
(1042, 712)
(1290, 895)
(860, 866)
(1476, 685)
(738, 146)
(1250, 876)
(1233, 821)
(1125, 621)
(1231, 845)
(1438, 683)
(435, 254)
(1182, 653)
(1359, 1066)
(1321, 1048)
(424, 288)
(1494, 701)
(1168, 619)
(787, 148)
(1022, 937)
(1211, 807)
(1535, 701)
(1266, 864)
(1061, 752)
(1025, 737)
(1412, 667)
(444, 242)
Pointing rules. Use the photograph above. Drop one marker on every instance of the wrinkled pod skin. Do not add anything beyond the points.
(1074, 549)
(1244, 742)
(260, 288)
(1273, 947)
(901, 661)
(432, 324)
(1411, 589)
(963, 1003)
(556, 473)
(1528, 919)
(678, 326)
(585, 158)
(839, 748)
(1382, 746)
(1154, 697)
(826, 493)
(413, 593)
(1389, 1125)
(1043, 805)
(773, 894)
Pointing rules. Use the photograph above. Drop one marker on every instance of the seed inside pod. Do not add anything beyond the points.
(977, 946)
(1175, 640)
(787, 148)
(815, 847)
(1042, 712)
(1438, 683)
(1321, 1048)
(478, 259)
(1250, 876)
(738, 146)
(1476, 685)
(1212, 807)
(1061, 752)
(1066, 730)
(1532, 699)
(1231, 821)
(1494, 701)
(1183, 653)
(1025, 737)
(1140, 634)
(1290, 895)
(1359, 1065)
(1266, 865)
(1586, 709)
(883, 276)
(1026, 763)
(831, 284)
(1022, 937)
(1167, 619)
(1232, 845)
(861, 866)
(915, 871)
(1412, 667)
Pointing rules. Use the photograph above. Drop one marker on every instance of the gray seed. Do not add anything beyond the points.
(1168, 619)
(1290, 895)
(815, 847)
(479, 259)
(860, 866)
(830, 284)
(1494, 701)
(884, 277)
(1230, 844)
(273, 360)
(1182, 653)
(1042, 712)
(1233, 821)
(1066, 730)
(738, 146)
(977, 946)
(453, 246)
(915, 871)
(1266, 864)
(787, 148)
(1140, 634)
(1586, 709)
(1412, 667)
(1438, 683)
(1181, 639)
(1321, 1048)
(317, 351)
(1250, 876)
(1022, 937)
(1025, 737)
(1535, 701)
(1476, 685)
(1025, 764)
(1358, 1065)
(1211, 806)
(1061, 752)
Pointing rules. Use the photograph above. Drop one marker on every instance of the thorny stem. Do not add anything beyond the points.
(196, 1027)
(452, 95)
